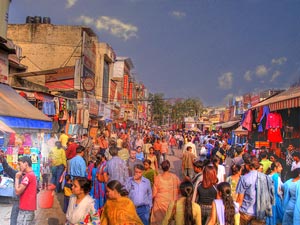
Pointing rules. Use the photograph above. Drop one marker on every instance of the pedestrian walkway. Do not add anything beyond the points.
(52, 216)
(5, 210)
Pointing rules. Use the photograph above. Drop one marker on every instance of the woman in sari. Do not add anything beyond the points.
(277, 210)
(118, 209)
(165, 190)
(151, 156)
(149, 173)
(99, 191)
(95, 184)
(81, 208)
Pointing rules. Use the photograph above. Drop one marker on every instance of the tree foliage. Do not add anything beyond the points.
(166, 111)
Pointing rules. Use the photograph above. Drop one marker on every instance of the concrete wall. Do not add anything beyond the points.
(46, 46)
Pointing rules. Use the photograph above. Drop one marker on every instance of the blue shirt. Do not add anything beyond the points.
(140, 156)
(77, 167)
(116, 169)
(139, 193)
(247, 186)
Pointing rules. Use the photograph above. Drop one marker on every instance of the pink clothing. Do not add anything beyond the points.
(274, 120)
(247, 123)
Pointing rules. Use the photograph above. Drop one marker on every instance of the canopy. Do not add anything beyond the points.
(228, 124)
(285, 100)
(17, 112)
(5, 128)
(240, 131)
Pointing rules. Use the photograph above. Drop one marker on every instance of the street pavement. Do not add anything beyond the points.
(56, 216)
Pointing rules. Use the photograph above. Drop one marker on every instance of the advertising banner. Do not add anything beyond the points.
(125, 85)
(130, 91)
(113, 87)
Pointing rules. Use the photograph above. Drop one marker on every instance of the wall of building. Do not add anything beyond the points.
(46, 46)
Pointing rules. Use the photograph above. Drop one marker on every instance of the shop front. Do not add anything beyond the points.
(23, 129)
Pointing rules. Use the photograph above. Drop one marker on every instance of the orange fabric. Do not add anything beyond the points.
(165, 190)
(157, 146)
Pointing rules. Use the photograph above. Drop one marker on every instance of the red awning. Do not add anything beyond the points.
(285, 100)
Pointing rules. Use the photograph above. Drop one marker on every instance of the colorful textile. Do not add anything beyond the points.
(119, 212)
(82, 213)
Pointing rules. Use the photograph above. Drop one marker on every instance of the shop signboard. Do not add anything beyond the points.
(101, 109)
(107, 112)
(93, 106)
(113, 87)
(130, 91)
(3, 67)
(63, 79)
(125, 85)
(89, 52)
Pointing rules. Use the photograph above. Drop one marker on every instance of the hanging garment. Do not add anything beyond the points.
(263, 118)
(274, 120)
(86, 117)
(247, 123)
(49, 108)
(274, 135)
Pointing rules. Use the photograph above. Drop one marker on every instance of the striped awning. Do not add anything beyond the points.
(285, 100)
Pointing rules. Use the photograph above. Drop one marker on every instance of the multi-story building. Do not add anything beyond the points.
(66, 59)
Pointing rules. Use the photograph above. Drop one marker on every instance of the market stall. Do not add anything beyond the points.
(23, 127)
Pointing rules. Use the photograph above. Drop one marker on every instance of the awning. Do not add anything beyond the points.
(240, 131)
(4, 128)
(17, 112)
(228, 124)
(285, 100)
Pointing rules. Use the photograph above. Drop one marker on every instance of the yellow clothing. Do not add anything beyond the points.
(64, 139)
(58, 157)
(123, 154)
(119, 143)
(179, 216)
(119, 212)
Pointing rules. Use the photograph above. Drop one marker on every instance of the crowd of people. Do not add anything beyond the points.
(125, 178)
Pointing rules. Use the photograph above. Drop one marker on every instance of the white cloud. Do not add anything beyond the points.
(261, 70)
(178, 14)
(279, 61)
(70, 3)
(111, 25)
(275, 75)
(225, 81)
(248, 75)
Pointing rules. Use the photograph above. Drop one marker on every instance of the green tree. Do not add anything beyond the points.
(158, 108)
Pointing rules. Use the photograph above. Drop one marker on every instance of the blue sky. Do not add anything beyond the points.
(211, 49)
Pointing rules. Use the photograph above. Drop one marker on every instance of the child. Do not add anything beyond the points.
(187, 162)
(45, 175)
(224, 209)
(67, 191)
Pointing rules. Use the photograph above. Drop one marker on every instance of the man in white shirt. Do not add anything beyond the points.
(191, 144)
